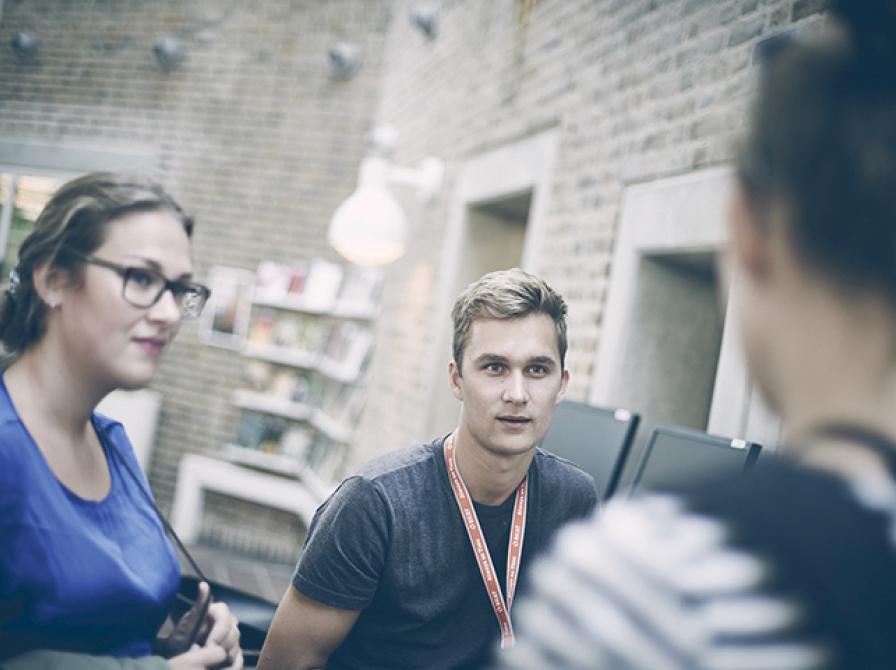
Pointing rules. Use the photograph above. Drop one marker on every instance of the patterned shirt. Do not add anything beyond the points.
(787, 568)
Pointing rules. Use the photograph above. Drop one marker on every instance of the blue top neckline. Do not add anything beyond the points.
(99, 430)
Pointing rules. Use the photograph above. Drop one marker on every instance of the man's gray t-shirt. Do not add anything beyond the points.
(390, 542)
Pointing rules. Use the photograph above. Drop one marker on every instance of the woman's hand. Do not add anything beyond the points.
(223, 633)
(210, 625)
(191, 628)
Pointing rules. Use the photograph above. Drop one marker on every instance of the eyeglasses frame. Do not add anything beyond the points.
(176, 287)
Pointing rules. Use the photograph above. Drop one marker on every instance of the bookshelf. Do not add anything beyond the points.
(304, 344)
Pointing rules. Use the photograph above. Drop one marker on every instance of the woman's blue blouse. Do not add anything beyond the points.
(78, 575)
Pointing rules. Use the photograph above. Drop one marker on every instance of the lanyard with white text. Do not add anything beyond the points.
(480, 549)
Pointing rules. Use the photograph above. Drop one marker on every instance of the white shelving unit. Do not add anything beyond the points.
(288, 409)
(304, 334)
(279, 463)
(308, 337)
(198, 474)
(273, 353)
(337, 309)
(281, 355)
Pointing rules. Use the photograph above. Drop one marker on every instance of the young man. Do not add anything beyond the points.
(389, 577)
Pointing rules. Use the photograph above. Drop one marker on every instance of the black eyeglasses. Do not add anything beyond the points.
(143, 287)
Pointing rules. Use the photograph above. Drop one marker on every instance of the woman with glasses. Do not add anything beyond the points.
(100, 289)
(793, 566)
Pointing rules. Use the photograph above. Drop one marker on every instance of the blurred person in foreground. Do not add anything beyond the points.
(100, 289)
(793, 566)
(389, 577)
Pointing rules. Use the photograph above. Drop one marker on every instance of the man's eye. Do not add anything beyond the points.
(537, 370)
(494, 367)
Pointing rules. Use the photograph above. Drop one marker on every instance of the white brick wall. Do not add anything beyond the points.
(638, 89)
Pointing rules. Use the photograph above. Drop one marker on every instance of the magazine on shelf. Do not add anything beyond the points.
(261, 328)
(257, 375)
(360, 289)
(307, 283)
(285, 383)
(270, 282)
(295, 442)
(261, 431)
(347, 347)
(322, 284)
(296, 278)
(289, 330)
(343, 403)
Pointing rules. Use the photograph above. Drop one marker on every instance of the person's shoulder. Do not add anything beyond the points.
(13, 437)
(391, 484)
(398, 463)
(114, 432)
(113, 428)
(400, 479)
(9, 418)
(565, 489)
(555, 470)
(774, 481)
(11, 433)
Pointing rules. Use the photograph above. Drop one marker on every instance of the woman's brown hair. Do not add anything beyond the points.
(823, 145)
(71, 226)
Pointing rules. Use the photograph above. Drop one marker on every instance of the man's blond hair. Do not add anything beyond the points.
(506, 294)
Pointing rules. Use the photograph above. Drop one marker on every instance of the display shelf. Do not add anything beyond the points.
(304, 333)
(330, 427)
(198, 473)
(306, 345)
(294, 358)
(357, 311)
(258, 401)
(280, 464)
(290, 356)
(339, 372)
(337, 309)
(268, 404)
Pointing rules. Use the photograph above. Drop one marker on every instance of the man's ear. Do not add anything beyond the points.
(454, 380)
(564, 384)
(50, 283)
(750, 241)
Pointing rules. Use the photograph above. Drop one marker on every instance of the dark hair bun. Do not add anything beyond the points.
(872, 26)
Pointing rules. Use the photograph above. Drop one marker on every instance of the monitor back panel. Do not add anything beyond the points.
(596, 439)
(674, 457)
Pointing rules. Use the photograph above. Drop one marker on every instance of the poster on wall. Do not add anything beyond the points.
(225, 320)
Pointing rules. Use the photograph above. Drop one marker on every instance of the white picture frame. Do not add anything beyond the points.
(225, 319)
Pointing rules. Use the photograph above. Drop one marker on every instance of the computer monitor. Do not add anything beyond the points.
(597, 439)
(679, 456)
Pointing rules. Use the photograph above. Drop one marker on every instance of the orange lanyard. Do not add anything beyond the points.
(480, 548)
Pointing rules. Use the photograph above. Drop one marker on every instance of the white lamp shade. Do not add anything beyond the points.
(369, 228)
